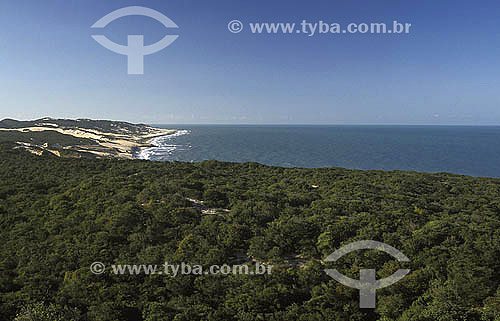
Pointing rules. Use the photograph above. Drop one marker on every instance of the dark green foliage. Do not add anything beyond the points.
(54, 139)
(57, 216)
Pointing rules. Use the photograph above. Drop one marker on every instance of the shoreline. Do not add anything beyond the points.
(137, 150)
(151, 142)
(132, 148)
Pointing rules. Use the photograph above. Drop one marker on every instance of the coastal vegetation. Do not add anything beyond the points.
(59, 215)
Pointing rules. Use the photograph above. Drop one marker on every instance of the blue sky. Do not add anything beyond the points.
(446, 71)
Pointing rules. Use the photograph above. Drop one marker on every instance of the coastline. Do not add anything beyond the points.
(125, 147)
(150, 143)
(131, 149)
(105, 140)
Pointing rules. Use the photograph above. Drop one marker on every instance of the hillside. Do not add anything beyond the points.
(80, 137)
(58, 215)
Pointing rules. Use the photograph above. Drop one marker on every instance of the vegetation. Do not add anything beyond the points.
(53, 139)
(58, 215)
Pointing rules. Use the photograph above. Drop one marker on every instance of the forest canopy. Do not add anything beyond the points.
(59, 215)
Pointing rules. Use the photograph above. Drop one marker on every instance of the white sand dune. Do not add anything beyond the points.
(112, 144)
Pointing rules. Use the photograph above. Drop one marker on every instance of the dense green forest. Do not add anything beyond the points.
(59, 215)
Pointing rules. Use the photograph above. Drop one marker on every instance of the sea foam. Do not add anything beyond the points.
(163, 146)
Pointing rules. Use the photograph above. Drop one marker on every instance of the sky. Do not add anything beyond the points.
(444, 72)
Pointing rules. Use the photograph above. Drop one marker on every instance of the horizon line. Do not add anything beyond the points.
(316, 124)
(256, 124)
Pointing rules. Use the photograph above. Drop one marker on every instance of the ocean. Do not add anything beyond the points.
(464, 150)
